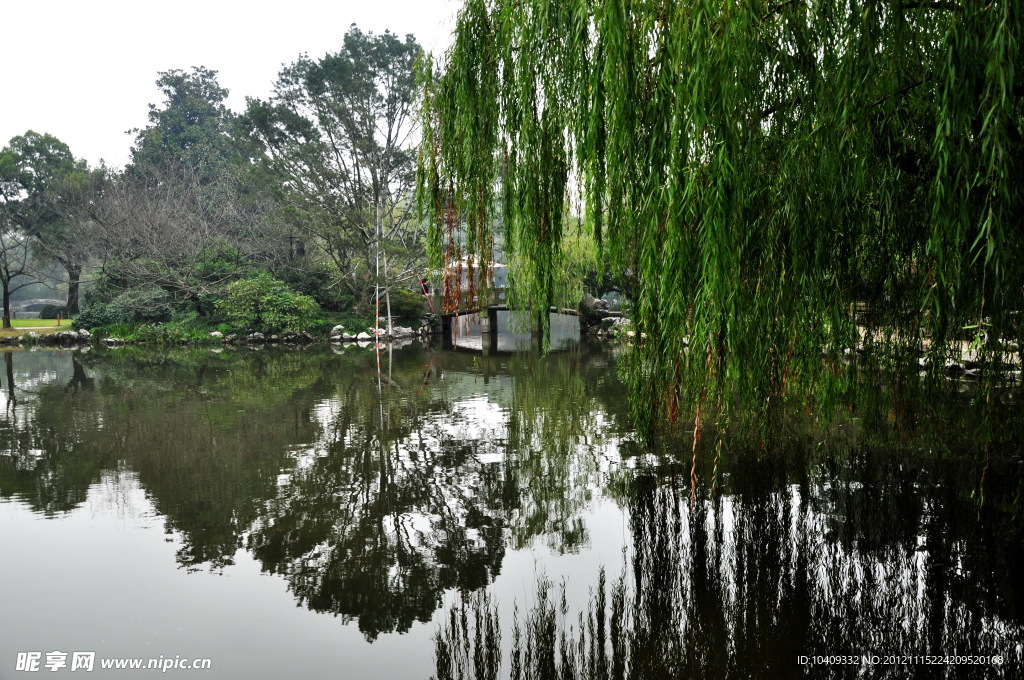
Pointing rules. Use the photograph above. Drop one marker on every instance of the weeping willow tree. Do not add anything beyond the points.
(763, 175)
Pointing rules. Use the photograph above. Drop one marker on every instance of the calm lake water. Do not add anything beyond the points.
(282, 514)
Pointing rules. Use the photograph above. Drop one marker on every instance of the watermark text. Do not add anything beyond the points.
(899, 659)
(31, 662)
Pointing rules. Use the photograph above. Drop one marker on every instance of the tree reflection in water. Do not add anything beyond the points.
(416, 488)
(374, 522)
(206, 434)
(788, 562)
(373, 503)
(370, 502)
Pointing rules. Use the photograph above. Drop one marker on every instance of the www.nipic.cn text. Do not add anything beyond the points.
(86, 661)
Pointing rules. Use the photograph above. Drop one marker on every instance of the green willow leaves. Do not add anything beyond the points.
(760, 174)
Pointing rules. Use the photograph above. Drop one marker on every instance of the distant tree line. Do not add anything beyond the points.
(311, 188)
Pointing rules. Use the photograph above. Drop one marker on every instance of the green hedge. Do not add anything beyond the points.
(52, 311)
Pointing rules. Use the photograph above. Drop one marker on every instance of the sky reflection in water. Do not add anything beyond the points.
(270, 511)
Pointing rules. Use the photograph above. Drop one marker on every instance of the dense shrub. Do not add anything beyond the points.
(144, 304)
(318, 281)
(51, 312)
(406, 304)
(95, 315)
(268, 305)
(170, 333)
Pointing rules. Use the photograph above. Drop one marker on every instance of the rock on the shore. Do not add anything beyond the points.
(65, 338)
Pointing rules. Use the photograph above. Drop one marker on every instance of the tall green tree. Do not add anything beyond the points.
(190, 129)
(48, 194)
(337, 143)
(752, 169)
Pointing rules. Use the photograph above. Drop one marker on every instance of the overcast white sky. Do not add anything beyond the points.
(85, 70)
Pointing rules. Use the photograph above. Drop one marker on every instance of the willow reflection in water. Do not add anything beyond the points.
(791, 563)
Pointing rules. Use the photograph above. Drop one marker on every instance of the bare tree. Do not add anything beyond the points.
(173, 229)
(17, 268)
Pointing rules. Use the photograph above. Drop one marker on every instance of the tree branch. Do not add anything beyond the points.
(903, 90)
(777, 9)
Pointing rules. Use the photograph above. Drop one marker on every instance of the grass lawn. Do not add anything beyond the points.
(37, 323)
(41, 326)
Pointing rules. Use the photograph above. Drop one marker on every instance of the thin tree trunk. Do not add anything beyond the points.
(387, 296)
(7, 304)
(9, 363)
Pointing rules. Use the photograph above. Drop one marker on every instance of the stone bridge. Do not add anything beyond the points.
(36, 305)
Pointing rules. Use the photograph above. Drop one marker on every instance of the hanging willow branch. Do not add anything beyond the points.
(754, 170)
